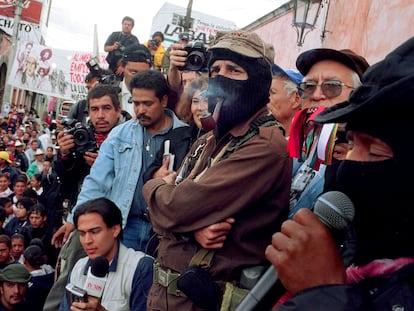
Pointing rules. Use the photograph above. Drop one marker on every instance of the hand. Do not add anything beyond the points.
(93, 304)
(66, 142)
(178, 56)
(305, 254)
(120, 69)
(170, 178)
(90, 157)
(213, 236)
(116, 46)
(163, 170)
(61, 235)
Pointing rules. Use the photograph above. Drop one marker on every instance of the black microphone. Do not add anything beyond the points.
(335, 210)
(96, 277)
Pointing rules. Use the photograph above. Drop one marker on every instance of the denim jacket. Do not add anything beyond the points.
(115, 173)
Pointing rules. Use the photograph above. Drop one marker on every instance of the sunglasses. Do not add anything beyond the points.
(330, 89)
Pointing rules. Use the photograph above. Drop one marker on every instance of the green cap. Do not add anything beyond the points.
(16, 273)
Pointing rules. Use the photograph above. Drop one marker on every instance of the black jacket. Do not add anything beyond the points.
(181, 140)
(395, 293)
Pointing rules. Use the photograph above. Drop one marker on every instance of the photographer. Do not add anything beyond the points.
(117, 42)
(79, 143)
(74, 162)
(96, 75)
(156, 48)
(79, 110)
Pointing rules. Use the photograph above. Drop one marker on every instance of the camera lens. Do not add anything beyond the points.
(81, 137)
(195, 61)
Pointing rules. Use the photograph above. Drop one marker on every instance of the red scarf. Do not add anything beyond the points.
(100, 138)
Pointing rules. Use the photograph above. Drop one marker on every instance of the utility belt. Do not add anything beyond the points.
(197, 284)
(167, 279)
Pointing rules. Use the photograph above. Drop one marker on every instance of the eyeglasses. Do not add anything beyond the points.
(330, 89)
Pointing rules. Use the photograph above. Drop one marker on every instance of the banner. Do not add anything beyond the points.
(51, 71)
(31, 10)
(29, 26)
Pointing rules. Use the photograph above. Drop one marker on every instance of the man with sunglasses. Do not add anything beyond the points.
(329, 78)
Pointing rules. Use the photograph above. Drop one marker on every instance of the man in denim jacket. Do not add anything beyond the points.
(124, 157)
(126, 154)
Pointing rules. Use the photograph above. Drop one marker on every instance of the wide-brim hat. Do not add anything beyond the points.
(347, 57)
(39, 152)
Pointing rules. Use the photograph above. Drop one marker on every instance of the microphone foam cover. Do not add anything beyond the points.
(99, 266)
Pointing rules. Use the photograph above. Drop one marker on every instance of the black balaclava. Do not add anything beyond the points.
(241, 98)
(381, 192)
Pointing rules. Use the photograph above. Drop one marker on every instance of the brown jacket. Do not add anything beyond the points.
(252, 185)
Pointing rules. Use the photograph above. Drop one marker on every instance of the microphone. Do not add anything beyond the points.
(335, 210)
(96, 277)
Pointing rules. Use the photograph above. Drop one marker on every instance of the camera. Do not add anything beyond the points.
(121, 48)
(196, 57)
(82, 135)
(105, 76)
(76, 293)
(153, 42)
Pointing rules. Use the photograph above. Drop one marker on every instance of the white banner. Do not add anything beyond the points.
(51, 71)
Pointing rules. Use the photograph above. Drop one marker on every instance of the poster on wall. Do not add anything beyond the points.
(51, 71)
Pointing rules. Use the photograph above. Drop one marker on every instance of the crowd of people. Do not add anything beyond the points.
(190, 185)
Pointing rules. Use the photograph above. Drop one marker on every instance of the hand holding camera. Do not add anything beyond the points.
(197, 57)
(153, 44)
(82, 140)
(119, 46)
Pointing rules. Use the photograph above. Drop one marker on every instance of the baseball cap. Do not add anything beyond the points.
(5, 156)
(138, 53)
(16, 273)
(11, 143)
(184, 36)
(245, 43)
(347, 57)
(292, 74)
